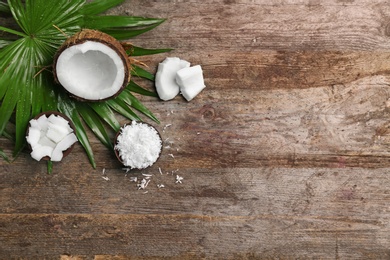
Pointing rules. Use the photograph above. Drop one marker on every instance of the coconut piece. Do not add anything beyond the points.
(63, 145)
(191, 81)
(34, 135)
(34, 124)
(56, 132)
(59, 120)
(42, 122)
(39, 151)
(92, 66)
(47, 142)
(165, 81)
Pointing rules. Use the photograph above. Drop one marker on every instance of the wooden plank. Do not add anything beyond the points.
(277, 25)
(231, 213)
(284, 155)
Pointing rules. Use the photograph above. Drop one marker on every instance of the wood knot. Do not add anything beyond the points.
(208, 112)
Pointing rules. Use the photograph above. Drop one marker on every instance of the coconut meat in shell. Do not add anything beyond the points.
(91, 70)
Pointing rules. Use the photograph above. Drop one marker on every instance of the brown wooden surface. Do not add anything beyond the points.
(284, 155)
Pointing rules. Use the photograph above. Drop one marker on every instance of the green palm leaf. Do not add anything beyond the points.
(134, 87)
(94, 123)
(26, 83)
(4, 8)
(106, 22)
(138, 51)
(142, 73)
(97, 7)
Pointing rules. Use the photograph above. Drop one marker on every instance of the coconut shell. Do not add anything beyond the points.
(100, 37)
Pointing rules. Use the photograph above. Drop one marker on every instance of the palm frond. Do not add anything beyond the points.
(95, 124)
(4, 8)
(106, 113)
(126, 33)
(122, 108)
(99, 22)
(98, 7)
(138, 51)
(4, 43)
(4, 156)
(142, 73)
(27, 86)
(68, 108)
(134, 87)
(132, 101)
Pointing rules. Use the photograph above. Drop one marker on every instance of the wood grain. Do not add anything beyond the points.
(284, 155)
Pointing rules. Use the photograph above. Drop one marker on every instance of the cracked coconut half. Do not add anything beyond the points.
(92, 66)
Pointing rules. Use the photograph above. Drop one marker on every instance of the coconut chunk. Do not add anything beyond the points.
(65, 143)
(34, 124)
(165, 81)
(59, 120)
(39, 151)
(191, 81)
(42, 122)
(56, 132)
(33, 137)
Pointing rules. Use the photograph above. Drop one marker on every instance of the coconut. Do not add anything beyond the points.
(50, 136)
(92, 66)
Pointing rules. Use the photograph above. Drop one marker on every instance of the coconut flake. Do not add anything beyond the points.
(139, 145)
(179, 179)
(166, 85)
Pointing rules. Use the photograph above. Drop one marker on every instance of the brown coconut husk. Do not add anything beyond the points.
(96, 36)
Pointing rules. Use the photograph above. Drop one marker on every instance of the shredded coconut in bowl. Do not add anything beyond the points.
(138, 145)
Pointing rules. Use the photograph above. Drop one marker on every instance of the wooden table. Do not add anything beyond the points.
(284, 155)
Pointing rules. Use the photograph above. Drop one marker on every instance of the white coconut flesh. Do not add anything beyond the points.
(191, 81)
(175, 76)
(91, 70)
(50, 136)
(166, 85)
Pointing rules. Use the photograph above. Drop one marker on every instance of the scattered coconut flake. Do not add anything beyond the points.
(172, 155)
(133, 179)
(126, 169)
(166, 126)
(139, 145)
(143, 184)
(159, 169)
(179, 179)
(160, 186)
(147, 175)
(105, 178)
(104, 171)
